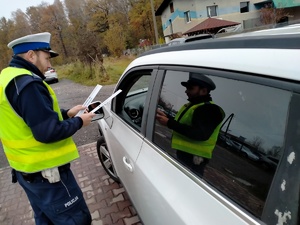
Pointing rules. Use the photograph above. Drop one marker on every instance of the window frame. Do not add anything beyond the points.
(124, 81)
(171, 26)
(171, 7)
(187, 16)
(244, 9)
(215, 9)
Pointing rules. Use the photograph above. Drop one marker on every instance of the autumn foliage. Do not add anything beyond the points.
(271, 15)
(83, 30)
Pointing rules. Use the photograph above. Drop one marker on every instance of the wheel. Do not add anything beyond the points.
(105, 159)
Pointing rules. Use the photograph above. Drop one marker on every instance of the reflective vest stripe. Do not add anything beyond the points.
(23, 151)
(32, 167)
(21, 143)
(39, 156)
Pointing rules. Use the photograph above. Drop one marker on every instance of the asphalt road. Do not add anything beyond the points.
(70, 94)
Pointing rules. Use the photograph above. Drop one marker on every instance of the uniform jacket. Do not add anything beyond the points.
(31, 100)
(35, 106)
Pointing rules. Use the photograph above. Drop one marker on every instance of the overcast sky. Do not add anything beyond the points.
(7, 7)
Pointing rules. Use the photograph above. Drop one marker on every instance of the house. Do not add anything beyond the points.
(192, 17)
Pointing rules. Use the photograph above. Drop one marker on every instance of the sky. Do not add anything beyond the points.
(7, 7)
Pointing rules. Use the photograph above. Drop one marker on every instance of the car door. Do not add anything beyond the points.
(169, 193)
(234, 188)
(124, 128)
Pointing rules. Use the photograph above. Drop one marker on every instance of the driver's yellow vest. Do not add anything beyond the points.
(183, 143)
(23, 151)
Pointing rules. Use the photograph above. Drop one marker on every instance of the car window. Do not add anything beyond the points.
(250, 141)
(130, 103)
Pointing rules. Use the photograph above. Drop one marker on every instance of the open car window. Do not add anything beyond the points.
(130, 102)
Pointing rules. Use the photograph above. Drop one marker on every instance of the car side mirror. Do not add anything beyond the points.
(99, 112)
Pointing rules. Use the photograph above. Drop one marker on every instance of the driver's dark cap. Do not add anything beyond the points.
(198, 79)
(35, 42)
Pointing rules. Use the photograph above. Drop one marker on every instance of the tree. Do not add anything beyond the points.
(82, 40)
(21, 24)
(257, 143)
(98, 12)
(271, 15)
(110, 20)
(35, 18)
(275, 151)
(83, 29)
(115, 39)
(85, 42)
(5, 37)
(141, 21)
(58, 25)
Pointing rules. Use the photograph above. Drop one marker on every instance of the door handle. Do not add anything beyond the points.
(127, 164)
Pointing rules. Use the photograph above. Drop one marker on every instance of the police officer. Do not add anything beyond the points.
(196, 125)
(36, 134)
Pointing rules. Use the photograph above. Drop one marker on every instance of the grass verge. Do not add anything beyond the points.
(108, 73)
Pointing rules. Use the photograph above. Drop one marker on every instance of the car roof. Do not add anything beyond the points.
(286, 30)
(265, 54)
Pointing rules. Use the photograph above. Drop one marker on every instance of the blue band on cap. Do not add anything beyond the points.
(25, 47)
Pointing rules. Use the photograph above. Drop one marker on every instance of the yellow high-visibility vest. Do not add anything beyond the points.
(183, 143)
(24, 153)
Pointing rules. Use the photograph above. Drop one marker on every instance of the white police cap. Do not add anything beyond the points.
(39, 42)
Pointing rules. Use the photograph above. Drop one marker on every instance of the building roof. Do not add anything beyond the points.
(285, 3)
(162, 7)
(211, 24)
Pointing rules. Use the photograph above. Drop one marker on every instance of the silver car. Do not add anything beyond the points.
(258, 87)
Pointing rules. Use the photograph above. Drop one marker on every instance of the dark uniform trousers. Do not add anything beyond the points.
(60, 203)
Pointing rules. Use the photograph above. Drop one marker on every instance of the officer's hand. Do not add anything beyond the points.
(87, 118)
(73, 111)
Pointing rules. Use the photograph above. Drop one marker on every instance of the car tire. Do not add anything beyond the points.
(105, 159)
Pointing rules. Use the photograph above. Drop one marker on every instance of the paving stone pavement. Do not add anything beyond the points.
(107, 200)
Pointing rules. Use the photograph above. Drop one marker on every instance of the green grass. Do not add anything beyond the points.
(82, 73)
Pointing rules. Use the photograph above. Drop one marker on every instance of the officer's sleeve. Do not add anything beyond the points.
(35, 106)
(64, 113)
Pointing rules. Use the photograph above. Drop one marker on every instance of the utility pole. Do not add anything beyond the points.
(154, 22)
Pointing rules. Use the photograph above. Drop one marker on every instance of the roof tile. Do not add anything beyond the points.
(211, 23)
